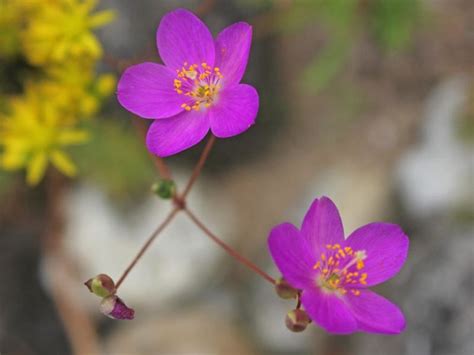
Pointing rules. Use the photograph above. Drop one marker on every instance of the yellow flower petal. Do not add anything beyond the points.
(101, 18)
(36, 168)
(63, 163)
(67, 137)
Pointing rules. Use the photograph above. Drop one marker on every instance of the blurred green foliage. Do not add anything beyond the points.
(116, 159)
(391, 23)
(466, 121)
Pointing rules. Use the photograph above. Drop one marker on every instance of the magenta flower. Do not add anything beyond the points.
(198, 87)
(334, 273)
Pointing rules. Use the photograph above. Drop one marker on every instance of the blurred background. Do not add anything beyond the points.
(370, 102)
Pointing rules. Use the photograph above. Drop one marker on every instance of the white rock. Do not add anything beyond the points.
(437, 174)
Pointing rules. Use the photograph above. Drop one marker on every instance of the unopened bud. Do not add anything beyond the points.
(115, 308)
(297, 320)
(284, 289)
(164, 188)
(101, 285)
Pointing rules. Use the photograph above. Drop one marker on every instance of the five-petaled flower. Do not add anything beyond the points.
(198, 87)
(334, 273)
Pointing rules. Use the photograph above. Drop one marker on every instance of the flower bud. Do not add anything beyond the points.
(115, 308)
(284, 289)
(297, 320)
(164, 188)
(101, 285)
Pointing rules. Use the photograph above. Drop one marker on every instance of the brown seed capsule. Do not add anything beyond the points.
(297, 320)
(284, 289)
(102, 285)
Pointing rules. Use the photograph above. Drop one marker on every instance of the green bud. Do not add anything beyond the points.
(284, 289)
(297, 320)
(164, 188)
(101, 285)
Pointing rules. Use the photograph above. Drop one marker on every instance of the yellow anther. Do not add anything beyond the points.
(363, 279)
(317, 265)
(341, 252)
(323, 257)
(336, 246)
(191, 74)
(355, 292)
(328, 246)
(360, 264)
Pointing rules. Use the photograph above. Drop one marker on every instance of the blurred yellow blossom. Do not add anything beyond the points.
(76, 89)
(33, 134)
(55, 36)
(9, 21)
(61, 30)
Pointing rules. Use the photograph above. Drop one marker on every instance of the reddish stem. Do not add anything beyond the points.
(198, 167)
(228, 248)
(145, 246)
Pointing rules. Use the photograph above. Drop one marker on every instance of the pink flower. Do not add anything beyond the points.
(334, 273)
(198, 87)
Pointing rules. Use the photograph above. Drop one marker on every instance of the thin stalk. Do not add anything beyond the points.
(198, 167)
(228, 248)
(145, 246)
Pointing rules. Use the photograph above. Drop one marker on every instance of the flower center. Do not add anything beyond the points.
(199, 83)
(340, 270)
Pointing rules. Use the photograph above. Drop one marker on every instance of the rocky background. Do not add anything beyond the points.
(382, 122)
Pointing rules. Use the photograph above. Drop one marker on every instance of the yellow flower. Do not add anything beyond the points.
(76, 89)
(33, 135)
(9, 25)
(61, 30)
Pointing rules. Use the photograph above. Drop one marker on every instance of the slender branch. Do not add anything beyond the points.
(179, 201)
(160, 164)
(227, 248)
(145, 246)
(198, 167)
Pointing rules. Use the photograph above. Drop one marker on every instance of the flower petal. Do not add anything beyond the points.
(376, 314)
(182, 37)
(291, 255)
(147, 90)
(322, 225)
(63, 163)
(175, 134)
(232, 51)
(386, 247)
(329, 311)
(235, 111)
(36, 168)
